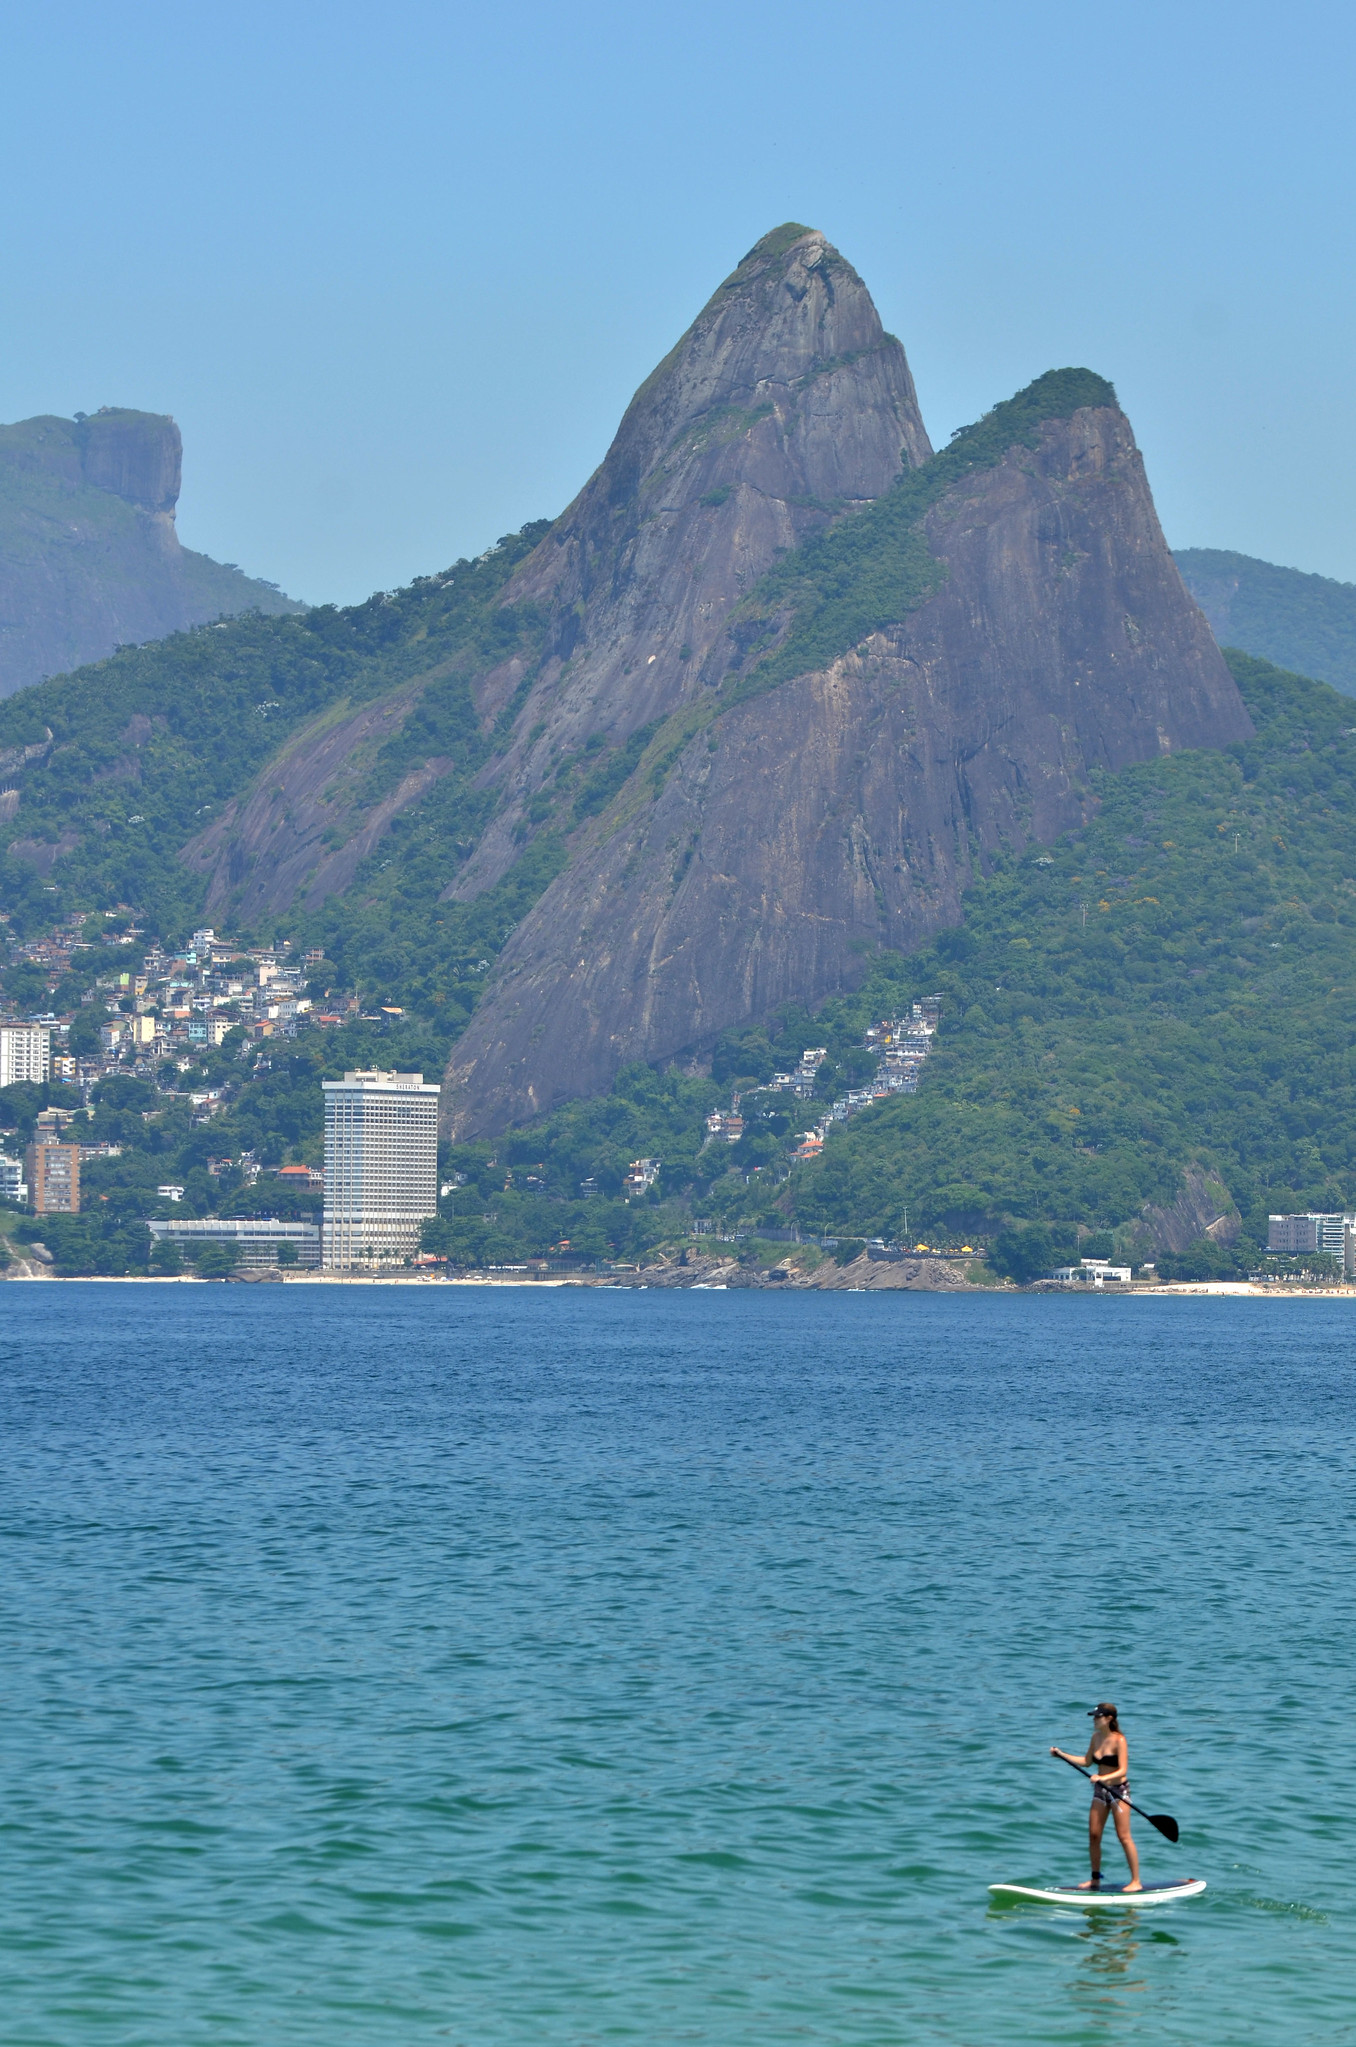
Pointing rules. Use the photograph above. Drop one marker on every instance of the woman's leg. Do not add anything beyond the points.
(1096, 1822)
(1123, 1836)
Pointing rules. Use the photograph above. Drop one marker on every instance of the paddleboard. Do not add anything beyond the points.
(1109, 1894)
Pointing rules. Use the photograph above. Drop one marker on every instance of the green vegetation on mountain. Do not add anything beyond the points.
(147, 746)
(1299, 621)
(871, 569)
(1174, 986)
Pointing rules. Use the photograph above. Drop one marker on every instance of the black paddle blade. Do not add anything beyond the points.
(1165, 1823)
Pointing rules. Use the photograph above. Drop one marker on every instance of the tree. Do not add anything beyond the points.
(215, 1261)
(1205, 1259)
(1027, 1251)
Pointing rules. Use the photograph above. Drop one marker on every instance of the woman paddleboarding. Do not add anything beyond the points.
(1109, 1754)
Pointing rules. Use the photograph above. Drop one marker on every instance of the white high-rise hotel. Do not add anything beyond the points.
(381, 1167)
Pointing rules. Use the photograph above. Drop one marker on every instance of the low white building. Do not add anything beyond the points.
(1093, 1272)
(256, 1239)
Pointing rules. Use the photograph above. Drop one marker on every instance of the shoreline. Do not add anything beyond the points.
(662, 1280)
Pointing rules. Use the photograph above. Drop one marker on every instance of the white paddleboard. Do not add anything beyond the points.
(1108, 1894)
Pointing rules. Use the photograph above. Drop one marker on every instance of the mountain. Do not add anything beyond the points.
(768, 697)
(787, 719)
(784, 405)
(929, 680)
(1296, 620)
(1146, 1033)
(89, 557)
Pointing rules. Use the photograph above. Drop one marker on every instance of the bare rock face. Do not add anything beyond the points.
(300, 834)
(785, 402)
(849, 808)
(89, 557)
(138, 456)
(1204, 1207)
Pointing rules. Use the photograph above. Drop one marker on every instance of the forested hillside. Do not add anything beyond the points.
(115, 768)
(1173, 987)
(1299, 621)
(1175, 984)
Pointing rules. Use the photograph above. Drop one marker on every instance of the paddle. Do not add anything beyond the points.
(1164, 1821)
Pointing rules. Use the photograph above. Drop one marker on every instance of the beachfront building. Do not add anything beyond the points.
(381, 1168)
(1293, 1235)
(13, 1185)
(25, 1054)
(256, 1242)
(1092, 1272)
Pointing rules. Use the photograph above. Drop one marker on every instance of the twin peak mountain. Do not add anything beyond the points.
(842, 671)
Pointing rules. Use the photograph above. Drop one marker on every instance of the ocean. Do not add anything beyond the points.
(521, 1665)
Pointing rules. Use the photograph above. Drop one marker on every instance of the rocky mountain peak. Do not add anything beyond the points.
(967, 651)
(793, 315)
(783, 404)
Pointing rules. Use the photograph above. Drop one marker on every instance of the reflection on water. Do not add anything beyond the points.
(1106, 1966)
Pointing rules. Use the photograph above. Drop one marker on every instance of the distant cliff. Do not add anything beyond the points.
(89, 556)
(1301, 622)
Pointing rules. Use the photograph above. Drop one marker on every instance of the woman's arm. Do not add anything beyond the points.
(1064, 1756)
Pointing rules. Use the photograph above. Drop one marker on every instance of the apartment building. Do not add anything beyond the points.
(53, 1178)
(1293, 1235)
(25, 1053)
(381, 1167)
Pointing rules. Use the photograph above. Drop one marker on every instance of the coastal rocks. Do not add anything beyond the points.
(861, 1274)
(847, 810)
(894, 1275)
(34, 1261)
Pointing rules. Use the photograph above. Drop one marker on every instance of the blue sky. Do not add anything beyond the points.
(396, 271)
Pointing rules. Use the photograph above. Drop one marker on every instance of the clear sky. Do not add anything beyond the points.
(396, 270)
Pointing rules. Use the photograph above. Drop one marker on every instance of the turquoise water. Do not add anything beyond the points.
(549, 1667)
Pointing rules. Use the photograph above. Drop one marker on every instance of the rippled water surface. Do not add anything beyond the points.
(533, 1666)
